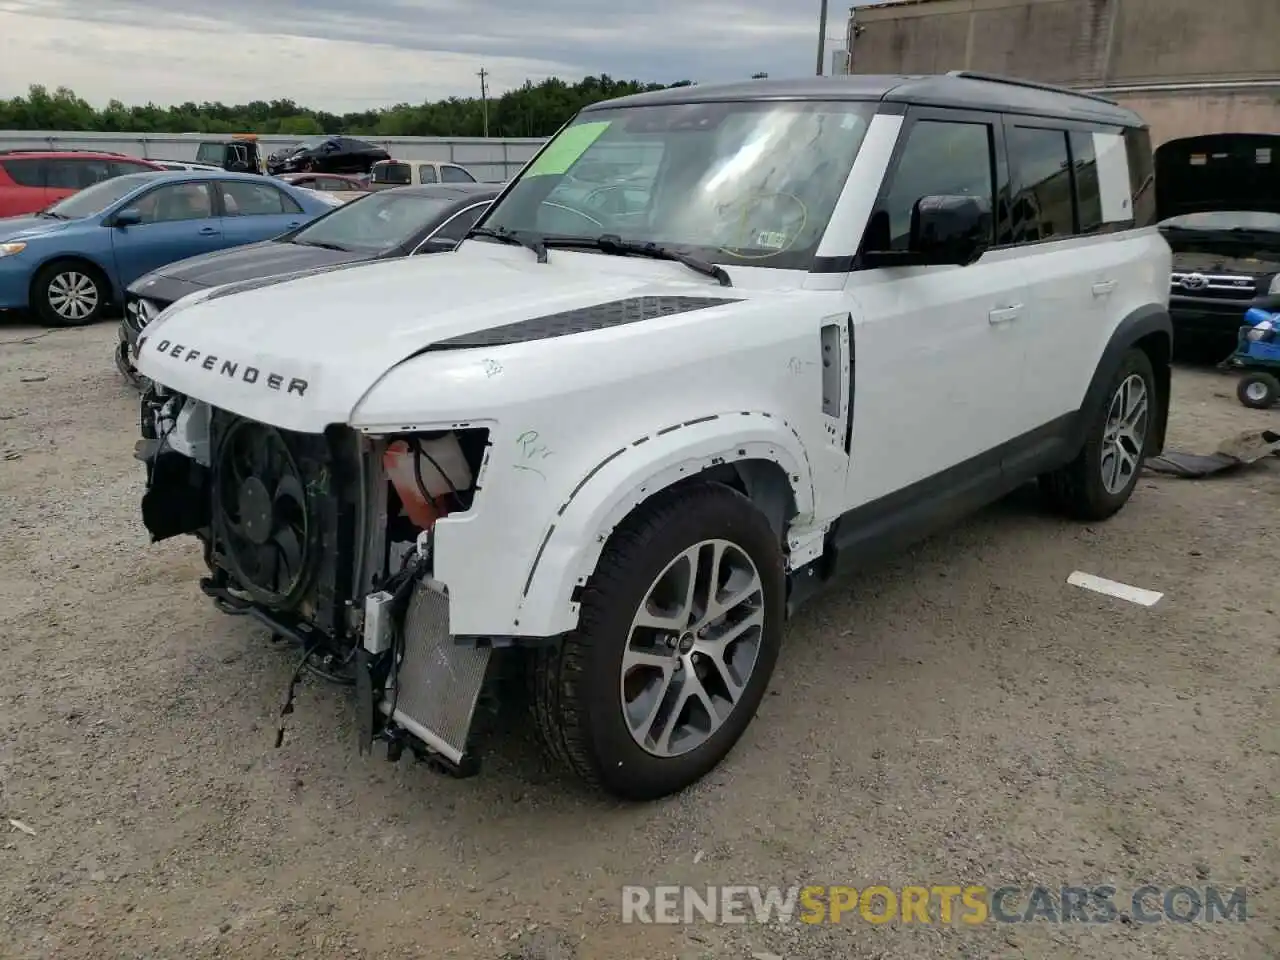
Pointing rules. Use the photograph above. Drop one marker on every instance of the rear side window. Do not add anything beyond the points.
(25, 173)
(119, 168)
(426, 173)
(1084, 160)
(455, 175)
(255, 200)
(939, 158)
(1142, 181)
(1041, 173)
(76, 173)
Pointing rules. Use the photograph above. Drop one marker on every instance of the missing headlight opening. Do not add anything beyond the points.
(323, 539)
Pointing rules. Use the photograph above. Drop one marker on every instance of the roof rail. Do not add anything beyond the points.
(1029, 84)
(106, 153)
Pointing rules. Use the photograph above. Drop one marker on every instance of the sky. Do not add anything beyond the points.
(358, 54)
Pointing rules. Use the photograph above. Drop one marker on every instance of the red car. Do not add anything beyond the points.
(30, 180)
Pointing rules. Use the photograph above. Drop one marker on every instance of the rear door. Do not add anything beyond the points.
(178, 221)
(255, 211)
(29, 192)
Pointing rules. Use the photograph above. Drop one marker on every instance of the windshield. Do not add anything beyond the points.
(1226, 220)
(93, 200)
(749, 184)
(374, 223)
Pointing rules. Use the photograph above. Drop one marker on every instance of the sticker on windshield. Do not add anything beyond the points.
(771, 240)
(567, 148)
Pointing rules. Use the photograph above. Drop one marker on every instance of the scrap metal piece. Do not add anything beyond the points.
(1233, 453)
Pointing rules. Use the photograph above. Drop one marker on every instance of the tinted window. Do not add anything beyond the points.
(375, 223)
(120, 167)
(1042, 207)
(1141, 176)
(174, 202)
(25, 173)
(426, 173)
(255, 200)
(1084, 160)
(939, 158)
(397, 173)
(93, 200)
(455, 175)
(76, 173)
(457, 228)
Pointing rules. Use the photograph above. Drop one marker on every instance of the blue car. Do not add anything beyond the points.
(72, 259)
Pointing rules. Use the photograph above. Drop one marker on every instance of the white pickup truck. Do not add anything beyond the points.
(403, 173)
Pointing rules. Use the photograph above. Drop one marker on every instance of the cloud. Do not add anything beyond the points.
(356, 54)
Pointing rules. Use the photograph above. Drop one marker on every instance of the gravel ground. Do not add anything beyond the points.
(961, 716)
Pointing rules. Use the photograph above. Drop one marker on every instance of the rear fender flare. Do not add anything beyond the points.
(576, 536)
(1147, 321)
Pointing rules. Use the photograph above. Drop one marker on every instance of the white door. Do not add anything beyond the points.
(936, 349)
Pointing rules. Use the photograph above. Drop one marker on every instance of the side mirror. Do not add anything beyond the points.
(950, 230)
(130, 217)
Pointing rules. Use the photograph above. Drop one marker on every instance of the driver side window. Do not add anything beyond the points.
(939, 157)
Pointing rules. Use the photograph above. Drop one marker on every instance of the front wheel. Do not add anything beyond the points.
(1258, 390)
(69, 295)
(1101, 479)
(678, 633)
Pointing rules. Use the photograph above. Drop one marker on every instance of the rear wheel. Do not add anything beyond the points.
(1101, 479)
(678, 634)
(69, 294)
(1258, 390)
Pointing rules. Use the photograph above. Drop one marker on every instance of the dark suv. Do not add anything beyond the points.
(1220, 196)
(31, 180)
(332, 155)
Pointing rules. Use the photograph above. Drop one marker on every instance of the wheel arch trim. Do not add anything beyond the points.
(71, 257)
(1150, 323)
(577, 534)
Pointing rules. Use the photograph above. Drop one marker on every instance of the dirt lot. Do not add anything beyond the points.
(962, 716)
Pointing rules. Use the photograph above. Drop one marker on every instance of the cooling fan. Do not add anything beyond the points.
(262, 511)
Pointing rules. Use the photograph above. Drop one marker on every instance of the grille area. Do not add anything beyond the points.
(438, 682)
(1218, 286)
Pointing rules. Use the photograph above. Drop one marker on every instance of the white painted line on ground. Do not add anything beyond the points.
(1123, 591)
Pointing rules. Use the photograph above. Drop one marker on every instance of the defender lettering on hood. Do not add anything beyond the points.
(234, 369)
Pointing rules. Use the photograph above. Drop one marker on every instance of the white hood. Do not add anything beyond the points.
(300, 354)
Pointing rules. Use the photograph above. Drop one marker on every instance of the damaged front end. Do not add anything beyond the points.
(326, 539)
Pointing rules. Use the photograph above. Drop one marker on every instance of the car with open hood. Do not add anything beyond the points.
(1219, 200)
(615, 447)
(396, 223)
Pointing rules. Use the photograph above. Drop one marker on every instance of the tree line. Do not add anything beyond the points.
(533, 110)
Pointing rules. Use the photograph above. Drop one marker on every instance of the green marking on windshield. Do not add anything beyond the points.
(567, 148)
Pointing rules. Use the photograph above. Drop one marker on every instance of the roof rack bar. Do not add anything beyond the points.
(1029, 84)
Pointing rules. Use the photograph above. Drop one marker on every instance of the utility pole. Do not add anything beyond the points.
(484, 94)
(822, 39)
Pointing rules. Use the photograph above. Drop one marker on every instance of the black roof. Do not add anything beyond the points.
(960, 89)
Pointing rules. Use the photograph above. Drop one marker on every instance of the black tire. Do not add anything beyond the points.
(1263, 399)
(1077, 490)
(124, 363)
(68, 272)
(575, 695)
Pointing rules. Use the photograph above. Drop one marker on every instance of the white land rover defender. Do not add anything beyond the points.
(621, 442)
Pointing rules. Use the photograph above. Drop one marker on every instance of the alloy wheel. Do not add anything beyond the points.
(692, 647)
(1125, 433)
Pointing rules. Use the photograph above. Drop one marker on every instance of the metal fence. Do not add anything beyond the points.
(492, 159)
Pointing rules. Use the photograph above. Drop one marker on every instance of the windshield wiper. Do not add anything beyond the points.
(322, 244)
(52, 216)
(611, 243)
(504, 235)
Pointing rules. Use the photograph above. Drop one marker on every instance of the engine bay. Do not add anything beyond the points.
(326, 540)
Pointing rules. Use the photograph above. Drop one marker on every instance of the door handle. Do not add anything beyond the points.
(1005, 314)
(1103, 287)
(208, 231)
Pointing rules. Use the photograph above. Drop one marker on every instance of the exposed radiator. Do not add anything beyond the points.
(438, 682)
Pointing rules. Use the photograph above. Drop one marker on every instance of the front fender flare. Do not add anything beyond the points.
(576, 535)
(1142, 323)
